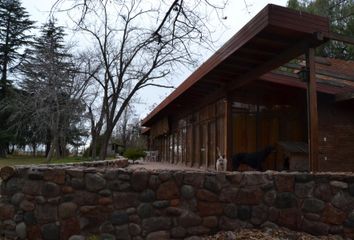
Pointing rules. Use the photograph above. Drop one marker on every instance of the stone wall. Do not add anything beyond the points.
(117, 203)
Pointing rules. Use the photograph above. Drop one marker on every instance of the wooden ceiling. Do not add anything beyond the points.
(272, 38)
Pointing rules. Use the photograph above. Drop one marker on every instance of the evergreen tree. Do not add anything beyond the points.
(49, 85)
(341, 16)
(14, 27)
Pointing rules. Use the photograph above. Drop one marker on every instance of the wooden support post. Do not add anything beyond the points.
(228, 132)
(312, 110)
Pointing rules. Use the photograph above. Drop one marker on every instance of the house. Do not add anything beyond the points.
(263, 87)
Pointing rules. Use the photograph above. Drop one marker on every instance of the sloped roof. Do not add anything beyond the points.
(272, 38)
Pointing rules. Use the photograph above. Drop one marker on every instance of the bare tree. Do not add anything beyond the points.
(136, 43)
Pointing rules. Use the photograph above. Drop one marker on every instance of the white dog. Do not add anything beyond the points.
(221, 162)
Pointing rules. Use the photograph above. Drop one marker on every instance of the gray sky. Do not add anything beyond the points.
(237, 16)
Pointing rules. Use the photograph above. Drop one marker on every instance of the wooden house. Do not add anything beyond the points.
(263, 87)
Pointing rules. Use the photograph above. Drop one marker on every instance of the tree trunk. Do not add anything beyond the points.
(34, 148)
(2, 151)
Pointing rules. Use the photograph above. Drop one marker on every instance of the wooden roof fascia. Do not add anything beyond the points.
(340, 38)
(251, 29)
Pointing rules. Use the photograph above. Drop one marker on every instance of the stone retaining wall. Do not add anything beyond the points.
(116, 203)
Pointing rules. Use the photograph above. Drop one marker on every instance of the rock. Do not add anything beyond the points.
(273, 214)
(94, 182)
(55, 175)
(168, 190)
(29, 218)
(67, 189)
(351, 189)
(40, 200)
(7, 211)
(145, 210)
(187, 191)
(178, 232)
(35, 174)
(50, 231)
(193, 238)
(210, 222)
(249, 196)
(67, 210)
(77, 183)
(134, 219)
(161, 235)
(207, 196)
(118, 185)
(211, 184)
(303, 178)
(312, 216)
(230, 210)
(343, 201)
(131, 211)
(229, 224)
(75, 172)
(194, 179)
(156, 223)
(161, 204)
(69, 227)
(259, 215)
(174, 211)
(77, 237)
(165, 176)
(226, 195)
(290, 217)
(27, 206)
(304, 190)
(333, 215)
(323, 191)
(285, 200)
(46, 213)
(12, 186)
(313, 205)
(107, 236)
(198, 230)
(284, 183)
(134, 229)
(139, 180)
(315, 228)
(122, 232)
(17, 198)
(18, 217)
(244, 213)
(50, 190)
(105, 193)
(269, 197)
(189, 219)
(209, 208)
(124, 200)
(119, 218)
(154, 182)
(83, 198)
(105, 201)
(9, 224)
(33, 232)
(106, 227)
(339, 184)
(147, 196)
(32, 187)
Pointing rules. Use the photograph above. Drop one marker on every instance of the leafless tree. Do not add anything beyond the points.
(137, 43)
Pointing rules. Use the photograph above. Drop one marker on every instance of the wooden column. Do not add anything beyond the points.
(228, 132)
(312, 112)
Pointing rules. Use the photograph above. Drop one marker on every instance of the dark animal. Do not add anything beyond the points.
(253, 160)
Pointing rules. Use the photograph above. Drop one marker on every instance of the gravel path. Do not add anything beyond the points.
(163, 166)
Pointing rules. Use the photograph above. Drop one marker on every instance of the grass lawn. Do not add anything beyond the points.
(24, 160)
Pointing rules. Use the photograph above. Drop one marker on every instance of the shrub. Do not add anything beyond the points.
(134, 153)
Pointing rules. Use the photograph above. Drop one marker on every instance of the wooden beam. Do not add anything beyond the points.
(344, 96)
(312, 112)
(287, 55)
(340, 38)
(228, 132)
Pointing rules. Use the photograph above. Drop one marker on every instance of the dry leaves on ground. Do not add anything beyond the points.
(268, 234)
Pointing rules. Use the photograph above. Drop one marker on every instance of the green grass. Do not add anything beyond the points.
(24, 160)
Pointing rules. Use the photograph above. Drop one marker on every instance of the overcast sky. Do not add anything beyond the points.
(237, 16)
